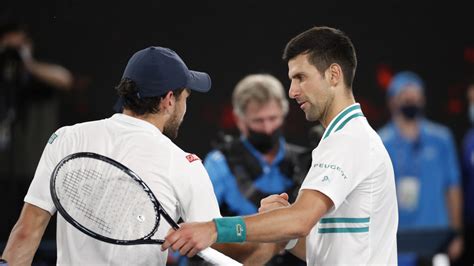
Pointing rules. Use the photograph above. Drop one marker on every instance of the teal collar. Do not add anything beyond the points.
(342, 119)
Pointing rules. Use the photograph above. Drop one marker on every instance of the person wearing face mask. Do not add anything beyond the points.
(425, 163)
(245, 170)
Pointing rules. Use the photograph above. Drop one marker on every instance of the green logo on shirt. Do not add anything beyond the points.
(330, 166)
(52, 138)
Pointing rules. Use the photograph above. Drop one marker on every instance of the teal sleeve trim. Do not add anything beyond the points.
(343, 230)
(344, 220)
(230, 229)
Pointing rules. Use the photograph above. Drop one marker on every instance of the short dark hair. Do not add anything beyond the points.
(128, 91)
(325, 46)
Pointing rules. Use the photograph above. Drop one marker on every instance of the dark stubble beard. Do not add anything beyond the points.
(171, 128)
(320, 112)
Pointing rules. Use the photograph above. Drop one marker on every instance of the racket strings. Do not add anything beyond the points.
(119, 204)
(129, 207)
(105, 199)
(136, 214)
(71, 184)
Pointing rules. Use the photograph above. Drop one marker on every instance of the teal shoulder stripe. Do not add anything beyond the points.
(343, 230)
(338, 118)
(344, 220)
(347, 120)
(52, 138)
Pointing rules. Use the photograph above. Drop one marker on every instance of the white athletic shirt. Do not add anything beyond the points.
(352, 167)
(178, 180)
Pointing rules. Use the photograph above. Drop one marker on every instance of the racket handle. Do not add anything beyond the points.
(216, 258)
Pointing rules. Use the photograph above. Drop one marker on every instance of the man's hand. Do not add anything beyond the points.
(274, 201)
(191, 238)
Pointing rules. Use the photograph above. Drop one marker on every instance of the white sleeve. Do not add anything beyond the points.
(195, 192)
(336, 169)
(39, 193)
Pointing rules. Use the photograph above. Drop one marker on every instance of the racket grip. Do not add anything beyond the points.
(216, 258)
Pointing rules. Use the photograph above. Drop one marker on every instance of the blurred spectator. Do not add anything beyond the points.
(28, 104)
(260, 163)
(425, 163)
(468, 173)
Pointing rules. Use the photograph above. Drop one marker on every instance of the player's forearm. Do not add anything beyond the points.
(284, 223)
(290, 222)
(21, 246)
(454, 198)
(26, 235)
(281, 224)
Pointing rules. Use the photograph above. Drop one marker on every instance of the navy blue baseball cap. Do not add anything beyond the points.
(157, 70)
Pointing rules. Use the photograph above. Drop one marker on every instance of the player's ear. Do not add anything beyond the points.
(167, 102)
(334, 74)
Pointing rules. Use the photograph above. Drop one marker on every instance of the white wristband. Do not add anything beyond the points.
(291, 244)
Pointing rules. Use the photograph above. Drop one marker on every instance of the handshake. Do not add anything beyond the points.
(273, 201)
(194, 237)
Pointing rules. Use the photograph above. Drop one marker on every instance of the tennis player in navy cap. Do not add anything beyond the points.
(153, 93)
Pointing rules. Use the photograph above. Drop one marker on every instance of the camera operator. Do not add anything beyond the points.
(28, 100)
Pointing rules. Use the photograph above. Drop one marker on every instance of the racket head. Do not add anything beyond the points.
(105, 199)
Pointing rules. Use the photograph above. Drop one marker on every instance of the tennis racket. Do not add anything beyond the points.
(109, 202)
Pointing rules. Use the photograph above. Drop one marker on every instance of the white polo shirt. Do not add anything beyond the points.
(352, 167)
(178, 180)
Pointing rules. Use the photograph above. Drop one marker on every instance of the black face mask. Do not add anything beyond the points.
(263, 142)
(410, 111)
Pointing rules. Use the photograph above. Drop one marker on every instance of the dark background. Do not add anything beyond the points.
(230, 39)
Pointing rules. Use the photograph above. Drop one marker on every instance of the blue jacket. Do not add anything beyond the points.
(240, 184)
(424, 170)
